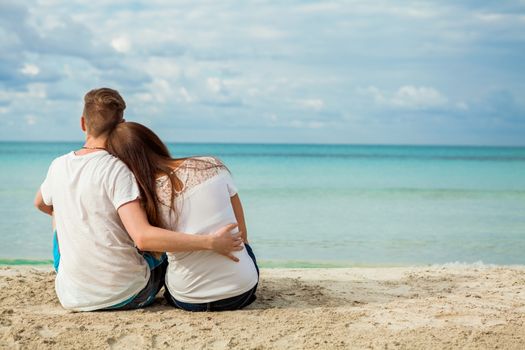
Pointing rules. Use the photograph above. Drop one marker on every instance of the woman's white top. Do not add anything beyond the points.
(203, 206)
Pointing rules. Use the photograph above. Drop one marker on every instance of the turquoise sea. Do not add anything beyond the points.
(327, 205)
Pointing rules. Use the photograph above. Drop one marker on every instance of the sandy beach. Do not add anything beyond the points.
(438, 307)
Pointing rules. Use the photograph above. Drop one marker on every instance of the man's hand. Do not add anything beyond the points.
(155, 239)
(41, 205)
(224, 242)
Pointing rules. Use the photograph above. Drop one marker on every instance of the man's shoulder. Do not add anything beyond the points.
(60, 159)
(114, 163)
(112, 170)
(101, 161)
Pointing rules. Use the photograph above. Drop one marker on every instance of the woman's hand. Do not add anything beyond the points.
(224, 242)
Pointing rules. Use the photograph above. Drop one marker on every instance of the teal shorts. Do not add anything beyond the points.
(56, 252)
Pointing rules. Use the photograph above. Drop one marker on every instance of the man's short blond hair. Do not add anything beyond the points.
(103, 110)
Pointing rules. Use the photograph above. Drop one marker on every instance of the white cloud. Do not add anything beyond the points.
(462, 106)
(261, 32)
(418, 97)
(373, 92)
(30, 120)
(30, 69)
(121, 44)
(408, 97)
(215, 85)
(490, 17)
(315, 124)
(164, 93)
(144, 97)
(420, 12)
(302, 124)
(161, 67)
(37, 91)
(222, 62)
(49, 23)
(185, 95)
(312, 104)
(320, 7)
(33, 91)
(161, 90)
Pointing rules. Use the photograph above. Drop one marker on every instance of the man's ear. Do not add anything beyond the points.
(83, 124)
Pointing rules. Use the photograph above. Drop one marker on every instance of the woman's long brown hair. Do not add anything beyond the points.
(148, 157)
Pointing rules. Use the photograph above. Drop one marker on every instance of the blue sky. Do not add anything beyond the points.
(380, 72)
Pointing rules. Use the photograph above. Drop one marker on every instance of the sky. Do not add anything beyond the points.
(358, 72)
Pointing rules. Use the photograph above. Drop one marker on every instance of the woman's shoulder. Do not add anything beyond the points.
(196, 163)
(202, 164)
(196, 170)
(205, 161)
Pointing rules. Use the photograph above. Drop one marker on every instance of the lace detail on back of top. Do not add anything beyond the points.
(192, 172)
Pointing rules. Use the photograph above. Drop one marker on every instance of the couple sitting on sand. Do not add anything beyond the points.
(121, 201)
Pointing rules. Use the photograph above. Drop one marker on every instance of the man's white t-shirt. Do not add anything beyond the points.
(203, 206)
(99, 264)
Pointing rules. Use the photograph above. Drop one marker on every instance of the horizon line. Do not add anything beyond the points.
(297, 143)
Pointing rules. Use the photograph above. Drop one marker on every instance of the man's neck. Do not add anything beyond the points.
(92, 144)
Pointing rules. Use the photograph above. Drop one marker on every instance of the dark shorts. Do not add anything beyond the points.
(228, 304)
(147, 295)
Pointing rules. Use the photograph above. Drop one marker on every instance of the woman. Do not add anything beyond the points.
(194, 194)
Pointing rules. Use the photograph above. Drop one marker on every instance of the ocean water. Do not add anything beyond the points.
(327, 205)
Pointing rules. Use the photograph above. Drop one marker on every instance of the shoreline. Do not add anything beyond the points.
(302, 264)
(432, 307)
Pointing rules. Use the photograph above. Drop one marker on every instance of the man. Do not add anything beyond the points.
(94, 200)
